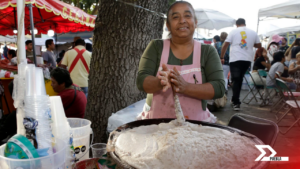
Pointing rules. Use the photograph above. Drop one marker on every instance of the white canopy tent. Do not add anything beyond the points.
(284, 30)
(211, 19)
(290, 9)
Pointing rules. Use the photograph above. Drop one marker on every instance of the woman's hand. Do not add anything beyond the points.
(164, 77)
(178, 83)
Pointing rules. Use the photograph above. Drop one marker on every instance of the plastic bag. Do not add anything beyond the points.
(221, 102)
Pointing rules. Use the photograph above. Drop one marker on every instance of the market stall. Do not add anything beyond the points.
(41, 17)
(45, 17)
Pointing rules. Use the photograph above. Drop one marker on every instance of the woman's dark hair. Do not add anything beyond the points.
(277, 57)
(181, 2)
(217, 38)
(61, 76)
(297, 41)
(259, 53)
(12, 53)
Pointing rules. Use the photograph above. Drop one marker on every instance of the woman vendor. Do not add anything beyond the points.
(193, 69)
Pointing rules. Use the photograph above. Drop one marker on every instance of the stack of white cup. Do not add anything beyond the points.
(61, 127)
(37, 107)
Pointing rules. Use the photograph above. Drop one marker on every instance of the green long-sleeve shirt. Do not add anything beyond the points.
(211, 67)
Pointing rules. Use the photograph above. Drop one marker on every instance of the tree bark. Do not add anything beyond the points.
(121, 34)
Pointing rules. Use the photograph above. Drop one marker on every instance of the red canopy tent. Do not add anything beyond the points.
(47, 14)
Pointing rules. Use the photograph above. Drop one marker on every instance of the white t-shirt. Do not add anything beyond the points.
(242, 41)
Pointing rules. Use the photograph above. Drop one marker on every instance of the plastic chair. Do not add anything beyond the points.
(291, 101)
(265, 130)
(268, 89)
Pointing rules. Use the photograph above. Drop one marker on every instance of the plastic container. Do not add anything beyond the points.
(98, 150)
(54, 161)
(60, 127)
(81, 131)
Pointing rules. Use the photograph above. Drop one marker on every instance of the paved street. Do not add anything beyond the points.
(285, 145)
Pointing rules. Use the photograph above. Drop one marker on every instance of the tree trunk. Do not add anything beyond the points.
(122, 32)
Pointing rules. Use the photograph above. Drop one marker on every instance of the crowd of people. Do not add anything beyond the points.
(69, 73)
(76, 63)
(69, 79)
(278, 59)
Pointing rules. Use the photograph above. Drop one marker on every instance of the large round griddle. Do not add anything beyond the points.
(257, 141)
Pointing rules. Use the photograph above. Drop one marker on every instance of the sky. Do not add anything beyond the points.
(247, 10)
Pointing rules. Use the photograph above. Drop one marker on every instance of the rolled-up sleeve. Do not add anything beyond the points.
(214, 72)
(148, 64)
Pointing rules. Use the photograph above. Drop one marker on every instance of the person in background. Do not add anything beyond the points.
(60, 57)
(78, 61)
(241, 41)
(74, 40)
(73, 99)
(216, 40)
(273, 46)
(276, 71)
(49, 56)
(5, 50)
(226, 68)
(29, 52)
(89, 47)
(294, 70)
(201, 74)
(261, 62)
(12, 57)
(283, 47)
(293, 50)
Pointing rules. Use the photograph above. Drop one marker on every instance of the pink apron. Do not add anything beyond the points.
(163, 102)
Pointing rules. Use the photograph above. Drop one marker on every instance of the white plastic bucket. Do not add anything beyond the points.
(81, 131)
(54, 161)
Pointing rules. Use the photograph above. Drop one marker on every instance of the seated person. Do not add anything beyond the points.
(12, 57)
(294, 70)
(261, 62)
(276, 71)
(8, 123)
(73, 99)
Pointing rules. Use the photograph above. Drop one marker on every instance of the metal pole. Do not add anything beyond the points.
(21, 32)
(15, 17)
(32, 32)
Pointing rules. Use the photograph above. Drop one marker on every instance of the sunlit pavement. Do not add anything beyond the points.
(286, 145)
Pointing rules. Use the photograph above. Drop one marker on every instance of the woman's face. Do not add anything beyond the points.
(181, 22)
(214, 40)
(298, 58)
